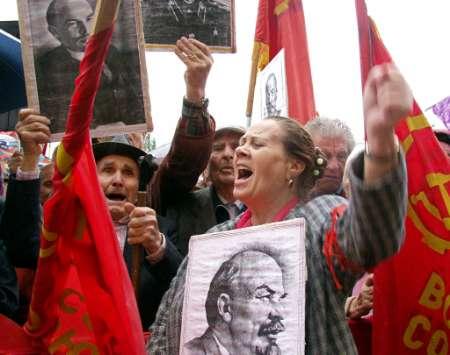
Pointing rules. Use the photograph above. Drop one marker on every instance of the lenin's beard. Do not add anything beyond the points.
(270, 331)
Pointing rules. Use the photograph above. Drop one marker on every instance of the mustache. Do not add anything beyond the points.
(273, 328)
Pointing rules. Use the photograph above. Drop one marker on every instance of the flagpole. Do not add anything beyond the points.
(252, 83)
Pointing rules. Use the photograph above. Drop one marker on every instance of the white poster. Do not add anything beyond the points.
(271, 96)
(245, 291)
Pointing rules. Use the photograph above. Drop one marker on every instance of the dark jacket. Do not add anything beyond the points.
(21, 222)
(19, 234)
(194, 213)
(203, 345)
(9, 292)
(155, 278)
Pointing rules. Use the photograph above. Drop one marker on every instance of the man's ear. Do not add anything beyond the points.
(53, 30)
(224, 307)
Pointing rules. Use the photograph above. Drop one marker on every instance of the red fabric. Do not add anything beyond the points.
(14, 340)
(331, 249)
(362, 334)
(246, 218)
(281, 24)
(82, 297)
(412, 289)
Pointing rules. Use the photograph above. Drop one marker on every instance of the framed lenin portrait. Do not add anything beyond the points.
(54, 36)
(209, 21)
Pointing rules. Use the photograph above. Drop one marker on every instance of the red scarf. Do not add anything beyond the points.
(246, 218)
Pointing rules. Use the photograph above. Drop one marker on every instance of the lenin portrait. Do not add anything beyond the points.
(244, 307)
(59, 30)
(209, 21)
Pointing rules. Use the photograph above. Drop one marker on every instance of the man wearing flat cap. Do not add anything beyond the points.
(196, 212)
(119, 169)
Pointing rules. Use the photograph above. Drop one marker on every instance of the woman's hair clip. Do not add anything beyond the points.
(319, 161)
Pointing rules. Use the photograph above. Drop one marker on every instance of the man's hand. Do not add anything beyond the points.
(143, 228)
(33, 130)
(363, 303)
(198, 60)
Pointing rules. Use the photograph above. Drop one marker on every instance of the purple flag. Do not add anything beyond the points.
(442, 110)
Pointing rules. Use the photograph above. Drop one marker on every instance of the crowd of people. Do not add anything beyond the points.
(275, 170)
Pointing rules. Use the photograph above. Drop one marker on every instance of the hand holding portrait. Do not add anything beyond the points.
(33, 130)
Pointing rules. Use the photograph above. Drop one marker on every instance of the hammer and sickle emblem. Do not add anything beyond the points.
(435, 242)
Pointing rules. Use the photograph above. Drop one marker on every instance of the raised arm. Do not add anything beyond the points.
(371, 229)
(192, 141)
(20, 226)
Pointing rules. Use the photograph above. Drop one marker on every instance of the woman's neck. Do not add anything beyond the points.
(265, 212)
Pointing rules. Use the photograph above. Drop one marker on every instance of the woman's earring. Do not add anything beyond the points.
(290, 182)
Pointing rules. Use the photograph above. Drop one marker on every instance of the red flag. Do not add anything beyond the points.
(82, 298)
(281, 24)
(412, 289)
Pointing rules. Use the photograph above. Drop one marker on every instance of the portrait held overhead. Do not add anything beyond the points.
(250, 300)
(58, 31)
(209, 21)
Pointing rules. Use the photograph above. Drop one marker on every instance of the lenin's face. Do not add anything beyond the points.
(271, 94)
(257, 310)
(74, 24)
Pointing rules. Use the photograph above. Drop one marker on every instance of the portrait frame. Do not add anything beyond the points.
(119, 107)
(284, 242)
(165, 21)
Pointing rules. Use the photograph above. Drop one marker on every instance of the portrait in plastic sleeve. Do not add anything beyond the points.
(245, 292)
(209, 21)
(55, 33)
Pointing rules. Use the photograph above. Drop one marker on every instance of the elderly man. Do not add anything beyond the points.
(196, 212)
(335, 140)
(69, 22)
(118, 171)
(243, 307)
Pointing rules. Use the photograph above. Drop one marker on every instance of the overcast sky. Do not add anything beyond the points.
(415, 32)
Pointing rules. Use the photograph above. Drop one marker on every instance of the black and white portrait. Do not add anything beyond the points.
(273, 90)
(57, 33)
(209, 21)
(254, 300)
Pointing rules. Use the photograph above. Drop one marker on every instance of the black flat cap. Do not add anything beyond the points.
(104, 149)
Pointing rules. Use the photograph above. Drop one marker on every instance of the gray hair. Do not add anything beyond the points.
(331, 128)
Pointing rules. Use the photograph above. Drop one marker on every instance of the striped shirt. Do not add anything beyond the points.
(370, 230)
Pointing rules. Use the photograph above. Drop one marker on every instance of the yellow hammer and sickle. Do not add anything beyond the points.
(435, 242)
